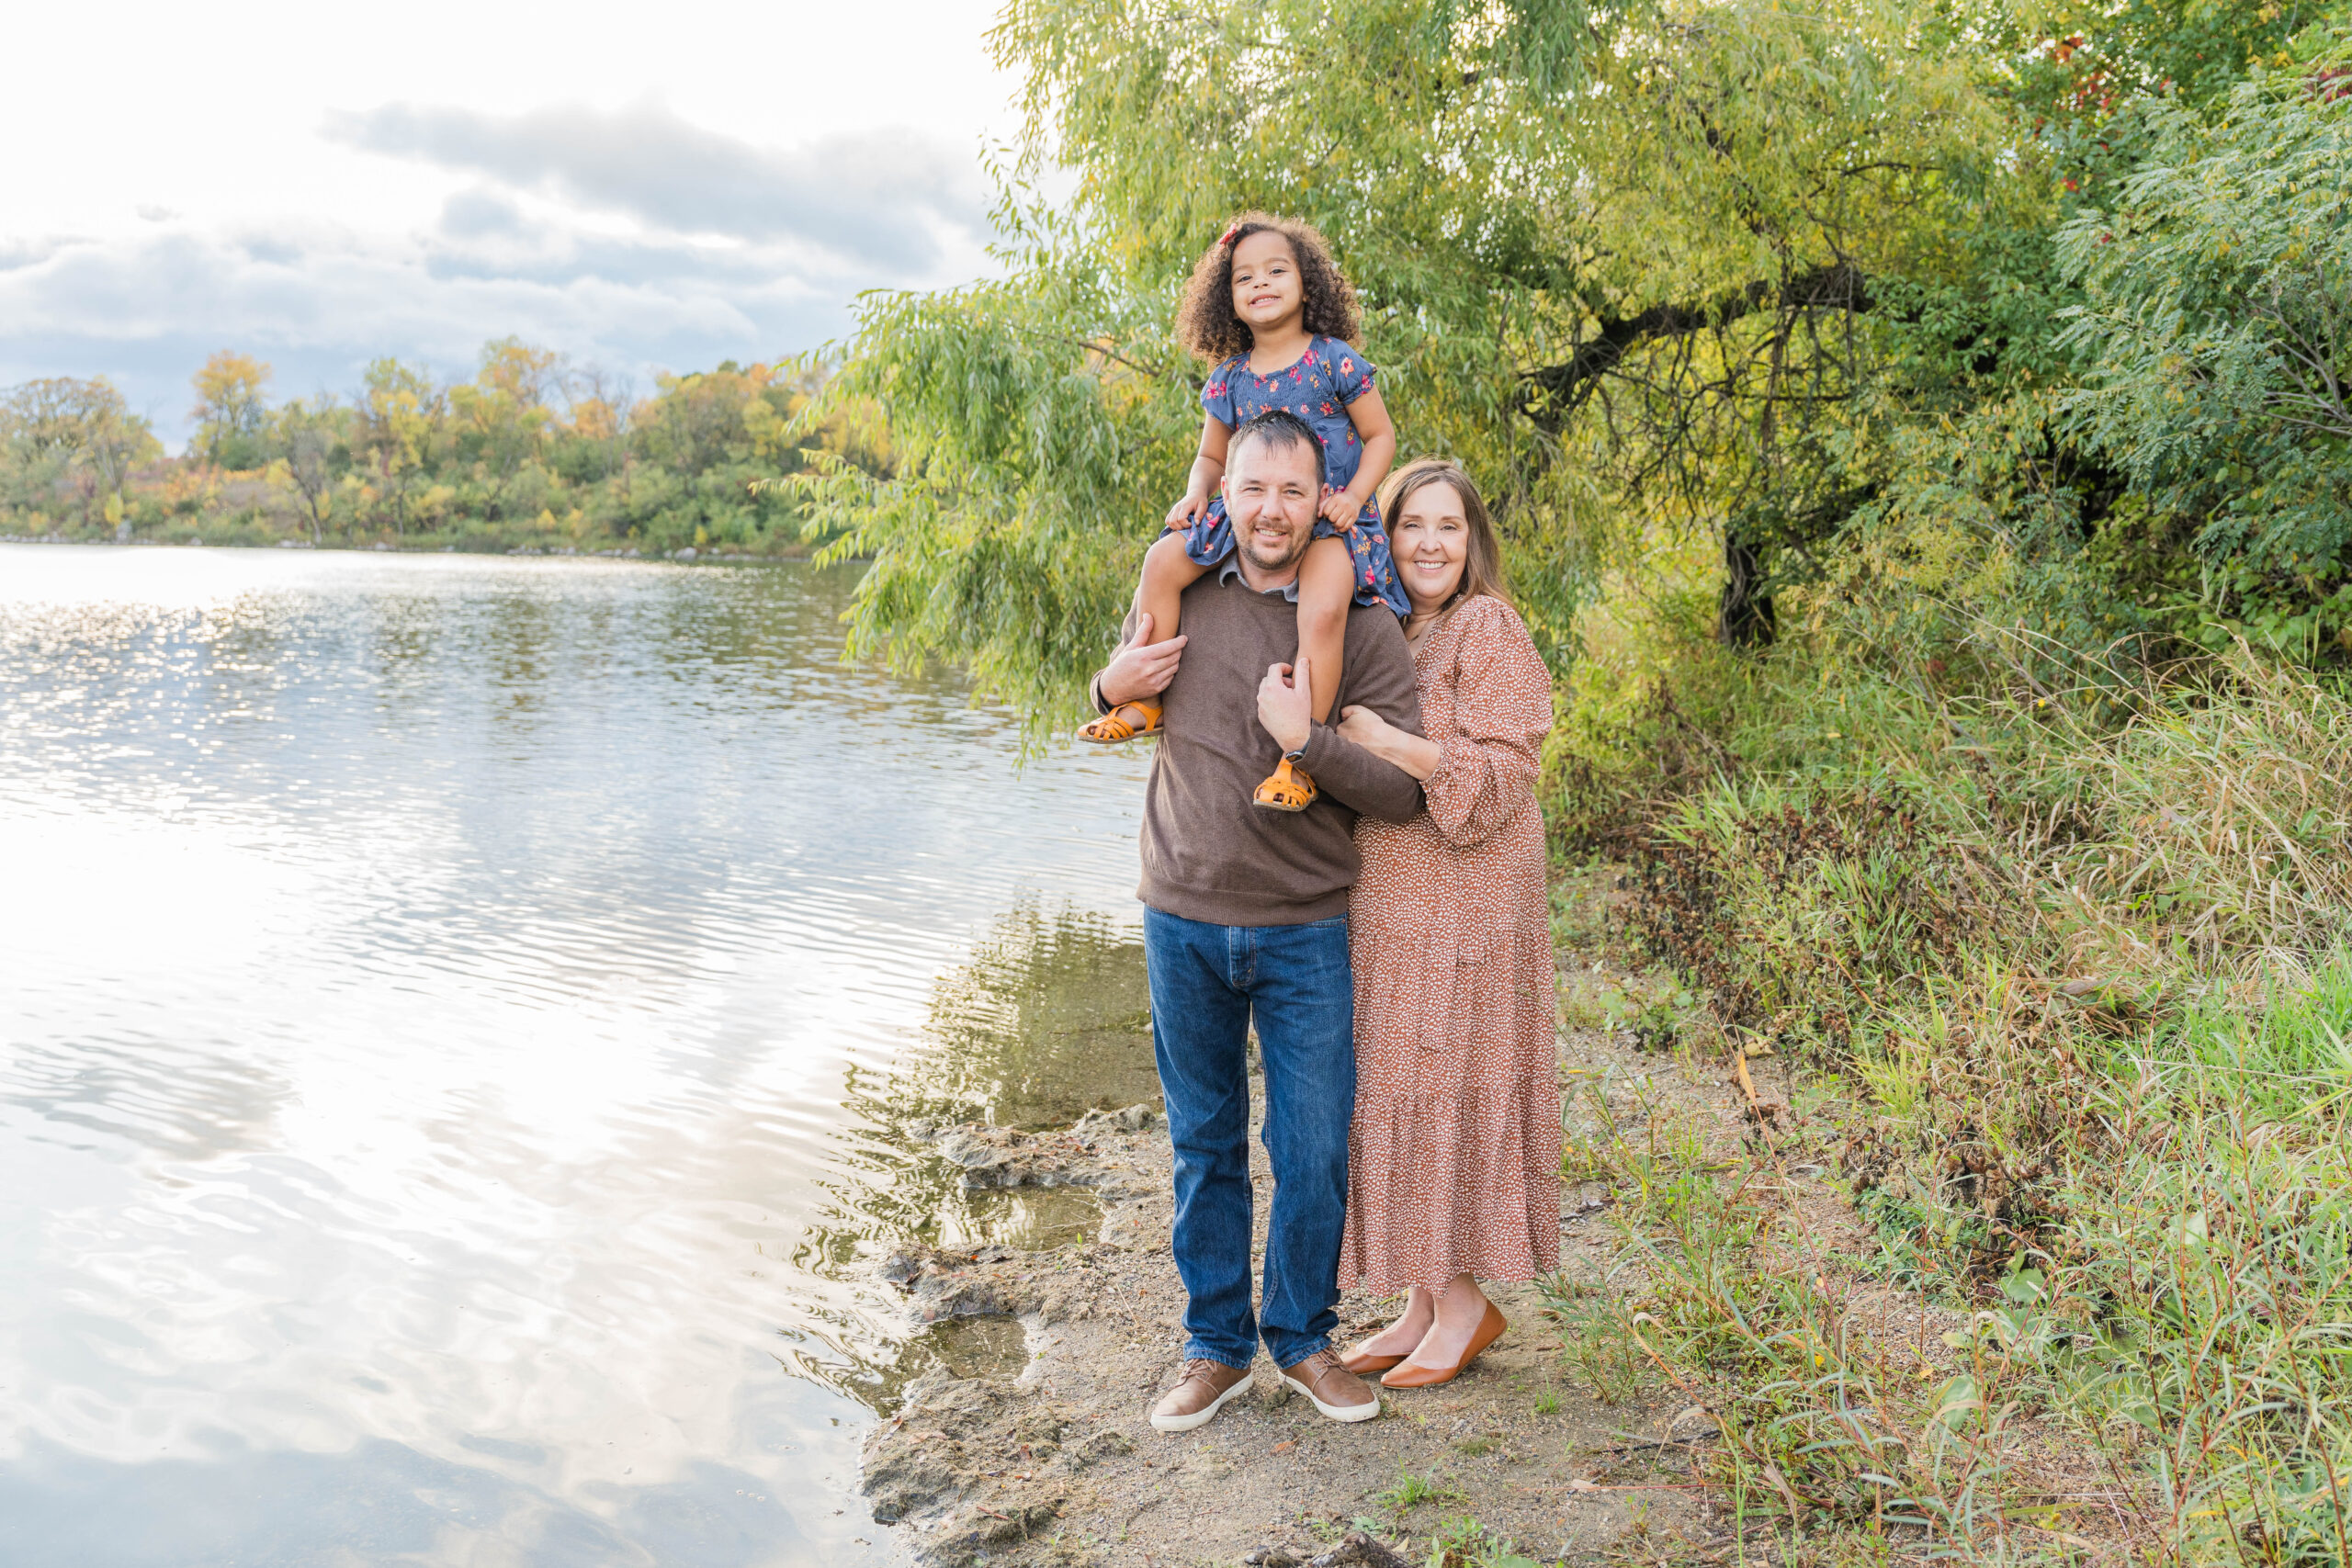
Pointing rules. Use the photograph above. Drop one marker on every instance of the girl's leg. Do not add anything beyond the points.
(1327, 586)
(1167, 573)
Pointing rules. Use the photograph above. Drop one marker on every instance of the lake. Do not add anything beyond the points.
(460, 1023)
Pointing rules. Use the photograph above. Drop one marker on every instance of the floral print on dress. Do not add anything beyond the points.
(1318, 388)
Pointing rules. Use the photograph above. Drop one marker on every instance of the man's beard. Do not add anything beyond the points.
(1244, 537)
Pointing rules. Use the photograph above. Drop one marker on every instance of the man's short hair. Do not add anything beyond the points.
(1281, 428)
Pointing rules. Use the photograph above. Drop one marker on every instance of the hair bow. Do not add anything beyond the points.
(1230, 231)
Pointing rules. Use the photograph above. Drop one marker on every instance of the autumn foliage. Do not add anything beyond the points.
(528, 452)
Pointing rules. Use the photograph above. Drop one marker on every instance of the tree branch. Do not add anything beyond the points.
(1556, 392)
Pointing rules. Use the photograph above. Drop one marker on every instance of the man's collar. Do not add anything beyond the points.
(1232, 568)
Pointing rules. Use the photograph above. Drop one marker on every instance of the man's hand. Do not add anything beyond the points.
(1140, 669)
(1286, 705)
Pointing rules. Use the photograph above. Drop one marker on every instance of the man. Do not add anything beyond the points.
(1246, 916)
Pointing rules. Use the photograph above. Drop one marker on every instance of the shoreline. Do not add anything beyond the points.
(686, 554)
(1055, 1463)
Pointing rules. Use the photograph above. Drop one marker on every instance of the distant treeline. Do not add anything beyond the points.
(531, 451)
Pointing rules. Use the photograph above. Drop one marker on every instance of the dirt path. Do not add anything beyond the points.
(1057, 1464)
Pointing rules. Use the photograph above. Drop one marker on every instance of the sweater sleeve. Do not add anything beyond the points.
(1502, 710)
(1382, 680)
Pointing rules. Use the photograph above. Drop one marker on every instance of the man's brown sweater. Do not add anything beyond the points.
(1208, 853)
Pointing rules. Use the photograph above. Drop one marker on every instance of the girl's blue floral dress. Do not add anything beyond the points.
(1318, 388)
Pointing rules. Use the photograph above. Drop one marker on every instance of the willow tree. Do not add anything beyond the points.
(1649, 270)
(2217, 335)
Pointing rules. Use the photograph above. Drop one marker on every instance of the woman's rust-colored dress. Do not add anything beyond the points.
(1453, 1161)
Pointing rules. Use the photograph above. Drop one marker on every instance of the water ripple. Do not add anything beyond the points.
(461, 1026)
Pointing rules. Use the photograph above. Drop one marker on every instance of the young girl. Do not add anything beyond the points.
(1267, 306)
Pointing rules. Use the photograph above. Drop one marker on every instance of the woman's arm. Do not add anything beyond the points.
(1398, 748)
(1502, 709)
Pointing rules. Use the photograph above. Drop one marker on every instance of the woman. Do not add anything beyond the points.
(1454, 1158)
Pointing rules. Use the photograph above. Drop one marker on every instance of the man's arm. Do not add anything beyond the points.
(1380, 677)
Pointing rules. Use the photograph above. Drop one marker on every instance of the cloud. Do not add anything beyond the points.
(24, 252)
(720, 250)
(892, 199)
(319, 302)
(470, 214)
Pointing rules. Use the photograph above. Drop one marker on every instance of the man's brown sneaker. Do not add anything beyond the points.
(1335, 1390)
(1198, 1395)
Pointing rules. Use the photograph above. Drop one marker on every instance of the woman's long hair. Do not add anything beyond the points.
(1482, 567)
(1207, 322)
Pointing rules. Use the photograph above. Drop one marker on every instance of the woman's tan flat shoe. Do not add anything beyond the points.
(1362, 1365)
(1407, 1375)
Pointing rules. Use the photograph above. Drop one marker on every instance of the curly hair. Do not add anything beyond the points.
(1206, 323)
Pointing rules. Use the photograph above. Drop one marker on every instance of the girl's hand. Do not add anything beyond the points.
(1194, 506)
(1338, 509)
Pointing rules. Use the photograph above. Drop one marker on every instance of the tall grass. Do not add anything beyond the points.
(2078, 960)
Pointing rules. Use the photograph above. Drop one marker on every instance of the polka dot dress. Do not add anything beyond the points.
(1455, 1155)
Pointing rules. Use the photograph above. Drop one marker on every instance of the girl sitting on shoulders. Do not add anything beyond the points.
(1270, 310)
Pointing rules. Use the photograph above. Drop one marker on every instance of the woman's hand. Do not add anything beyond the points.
(1194, 506)
(1365, 729)
(1397, 747)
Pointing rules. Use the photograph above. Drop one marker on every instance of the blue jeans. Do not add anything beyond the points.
(1206, 983)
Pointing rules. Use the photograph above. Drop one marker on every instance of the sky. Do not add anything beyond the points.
(643, 188)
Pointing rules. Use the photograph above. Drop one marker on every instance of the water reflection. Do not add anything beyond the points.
(463, 1026)
(1047, 1020)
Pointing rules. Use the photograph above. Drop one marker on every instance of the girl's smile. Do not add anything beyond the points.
(1266, 285)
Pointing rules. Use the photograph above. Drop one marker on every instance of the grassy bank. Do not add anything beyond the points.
(2040, 962)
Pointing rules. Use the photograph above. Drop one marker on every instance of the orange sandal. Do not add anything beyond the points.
(1123, 723)
(1287, 788)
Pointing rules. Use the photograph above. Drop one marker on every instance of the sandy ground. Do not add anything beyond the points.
(1030, 1445)
(1055, 1463)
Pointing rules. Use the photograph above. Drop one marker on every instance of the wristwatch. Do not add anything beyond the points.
(1298, 755)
